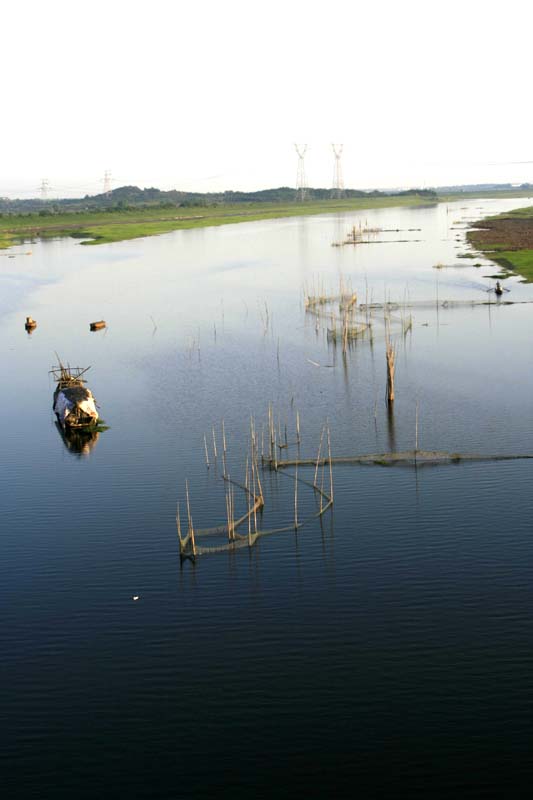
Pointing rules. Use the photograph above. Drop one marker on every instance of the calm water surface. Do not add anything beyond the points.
(388, 645)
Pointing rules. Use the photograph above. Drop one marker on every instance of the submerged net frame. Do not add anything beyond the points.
(345, 320)
(252, 488)
(406, 457)
(191, 543)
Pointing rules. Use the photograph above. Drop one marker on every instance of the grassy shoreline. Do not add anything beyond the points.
(507, 239)
(100, 227)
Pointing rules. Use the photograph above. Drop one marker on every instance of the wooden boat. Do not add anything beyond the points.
(74, 404)
(97, 326)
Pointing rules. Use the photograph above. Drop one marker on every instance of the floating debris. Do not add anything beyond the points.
(30, 324)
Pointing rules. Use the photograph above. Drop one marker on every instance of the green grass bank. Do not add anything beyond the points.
(112, 226)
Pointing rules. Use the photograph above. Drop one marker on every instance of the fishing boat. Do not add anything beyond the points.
(74, 404)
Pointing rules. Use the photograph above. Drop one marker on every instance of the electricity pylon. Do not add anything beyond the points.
(338, 182)
(301, 183)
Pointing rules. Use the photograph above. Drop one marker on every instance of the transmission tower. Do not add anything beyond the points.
(301, 183)
(44, 188)
(338, 181)
(107, 182)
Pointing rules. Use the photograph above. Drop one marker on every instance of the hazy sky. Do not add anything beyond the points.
(212, 95)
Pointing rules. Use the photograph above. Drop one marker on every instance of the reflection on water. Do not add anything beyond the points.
(390, 427)
(78, 442)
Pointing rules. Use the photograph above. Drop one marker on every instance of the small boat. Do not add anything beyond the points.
(498, 289)
(97, 326)
(74, 404)
(30, 324)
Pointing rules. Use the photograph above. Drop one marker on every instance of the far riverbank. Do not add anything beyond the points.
(101, 227)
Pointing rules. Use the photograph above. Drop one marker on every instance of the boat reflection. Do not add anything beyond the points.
(78, 441)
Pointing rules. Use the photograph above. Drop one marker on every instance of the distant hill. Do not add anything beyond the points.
(129, 197)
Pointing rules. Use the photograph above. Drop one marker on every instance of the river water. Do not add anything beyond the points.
(385, 644)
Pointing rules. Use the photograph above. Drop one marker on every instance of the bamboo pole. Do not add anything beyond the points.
(232, 492)
(271, 432)
(249, 509)
(390, 357)
(416, 428)
(258, 498)
(224, 447)
(254, 494)
(229, 510)
(188, 505)
(228, 514)
(296, 498)
(253, 437)
(390, 373)
(318, 454)
(322, 486)
(178, 523)
(189, 517)
(259, 485)
(330, 468)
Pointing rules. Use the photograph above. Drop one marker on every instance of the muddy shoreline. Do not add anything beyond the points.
(513, 233)
(508, 241)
